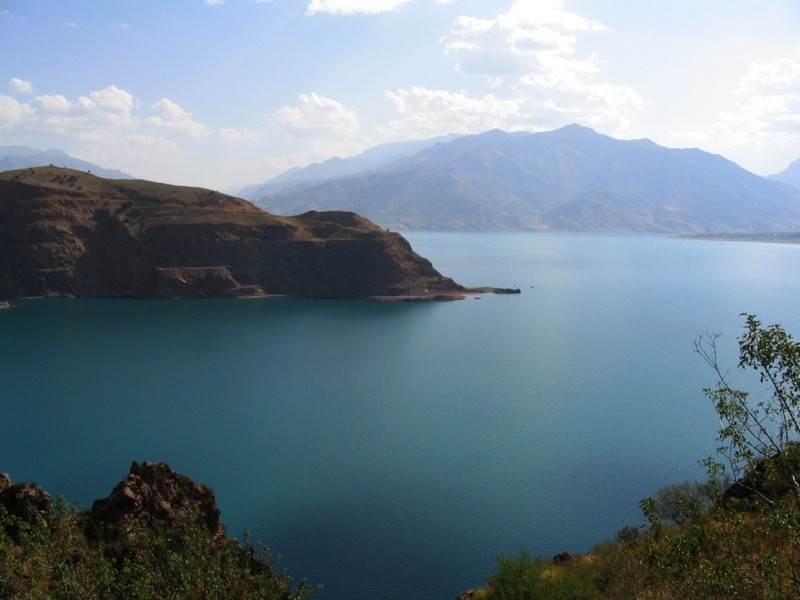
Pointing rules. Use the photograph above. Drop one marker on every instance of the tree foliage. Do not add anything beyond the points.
(758, 434)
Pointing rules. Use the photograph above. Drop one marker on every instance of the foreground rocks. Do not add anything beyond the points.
(23, 500)
(69, 233)
(152, 494)
(157, 535)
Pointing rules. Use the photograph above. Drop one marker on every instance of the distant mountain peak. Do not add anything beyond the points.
(569, 178)
(298, 178)
(21, 157)
(790, 175)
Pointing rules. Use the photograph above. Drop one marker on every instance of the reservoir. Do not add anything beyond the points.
(391, 450)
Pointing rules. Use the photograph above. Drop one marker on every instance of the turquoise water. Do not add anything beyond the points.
(392, 450)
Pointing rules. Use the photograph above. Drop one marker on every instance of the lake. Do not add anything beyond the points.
(392, 450)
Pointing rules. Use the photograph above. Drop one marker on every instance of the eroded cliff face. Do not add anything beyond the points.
(69, 233)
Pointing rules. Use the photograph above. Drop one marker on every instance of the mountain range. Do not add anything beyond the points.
(571, 178)
(21, 157)
(332, 168)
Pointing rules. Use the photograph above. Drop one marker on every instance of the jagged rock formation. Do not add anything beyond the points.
(151, 494)
(69, 233)
(22, 499)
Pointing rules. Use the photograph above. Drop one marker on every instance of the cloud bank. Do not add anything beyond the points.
(764, 112)
(528, 58)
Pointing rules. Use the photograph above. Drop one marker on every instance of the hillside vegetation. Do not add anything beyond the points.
(156, 536)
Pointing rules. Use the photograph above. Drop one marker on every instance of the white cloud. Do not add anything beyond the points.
(51, 105)
(778, 77)
(530, 52)
(351, 7)
(230, 135)
(101, 114)
(13, 113)
(174, 118)
(762, 125)
(531, 38)
(160, 141)
(426, 113)
(20, 86)
(106, 116)
(318, 116)
(110, 99)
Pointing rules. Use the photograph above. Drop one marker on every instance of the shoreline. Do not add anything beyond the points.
(434, 297)
(764, 238)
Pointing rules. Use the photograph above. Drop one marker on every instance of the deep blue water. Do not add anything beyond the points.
(391, 450)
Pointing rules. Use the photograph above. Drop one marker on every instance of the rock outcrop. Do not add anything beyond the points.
(69, 233)
(23, 500)
(157, 534)
(155, 496)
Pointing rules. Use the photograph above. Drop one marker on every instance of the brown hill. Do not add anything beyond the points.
(69, 233)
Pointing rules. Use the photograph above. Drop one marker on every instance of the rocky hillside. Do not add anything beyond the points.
(70, 233)
(157, 535)
(572, 178)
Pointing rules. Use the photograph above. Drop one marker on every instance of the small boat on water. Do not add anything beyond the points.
(4, 304)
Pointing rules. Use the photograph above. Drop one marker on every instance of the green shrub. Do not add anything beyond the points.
(48, 555)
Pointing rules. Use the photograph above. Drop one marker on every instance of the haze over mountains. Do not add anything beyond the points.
(568, 179)
(22, 157)
(338, 167)
(790, 175)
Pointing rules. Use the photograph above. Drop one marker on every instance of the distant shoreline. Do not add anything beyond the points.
(769, 238)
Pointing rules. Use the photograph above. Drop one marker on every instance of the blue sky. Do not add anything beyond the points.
(225, 93)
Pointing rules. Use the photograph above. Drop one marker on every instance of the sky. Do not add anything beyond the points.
(228, 93)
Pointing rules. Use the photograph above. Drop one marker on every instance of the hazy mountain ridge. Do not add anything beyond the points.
(790, 175)
(299, 178)
(570, 179)
(22, 157)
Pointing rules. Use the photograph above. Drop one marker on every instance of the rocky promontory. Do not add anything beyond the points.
(69, 233)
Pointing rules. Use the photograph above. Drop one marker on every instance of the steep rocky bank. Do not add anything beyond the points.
(68, 233)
